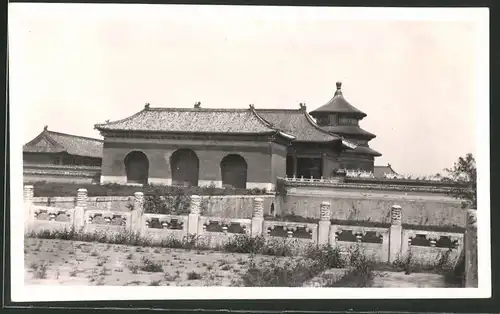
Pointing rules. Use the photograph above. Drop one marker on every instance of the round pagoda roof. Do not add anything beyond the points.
(338, 104)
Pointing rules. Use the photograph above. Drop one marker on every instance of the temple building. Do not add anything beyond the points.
(339, 117)
(242, 148)
(60, 157)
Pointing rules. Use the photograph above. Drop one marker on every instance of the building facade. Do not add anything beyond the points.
(239, 148)
(60, 157)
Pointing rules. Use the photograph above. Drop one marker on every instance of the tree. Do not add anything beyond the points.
(465, 174)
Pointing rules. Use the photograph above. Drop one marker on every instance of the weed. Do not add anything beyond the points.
(193, 276)
(155, 283)
(133, 268)
(74, 272)
(41, 271)
(151, 266)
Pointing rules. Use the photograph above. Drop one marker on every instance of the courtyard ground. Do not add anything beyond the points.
(64, 262)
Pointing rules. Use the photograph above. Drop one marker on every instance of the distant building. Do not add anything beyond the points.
(60, 157)
(385, 172)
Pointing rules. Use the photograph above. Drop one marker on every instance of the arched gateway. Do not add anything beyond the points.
(234, 171)
(184, 164)
(137, 167)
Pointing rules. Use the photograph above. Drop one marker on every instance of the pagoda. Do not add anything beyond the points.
(339, 117)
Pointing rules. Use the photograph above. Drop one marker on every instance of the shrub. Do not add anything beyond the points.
(327, 255)
(278, 247)
(245, 244)
(290, 274)
(40, 270)
(193, 276)
(360, 274)
(151, 266)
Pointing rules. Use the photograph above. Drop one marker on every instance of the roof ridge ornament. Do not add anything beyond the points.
(197, 104)
(338, 92)
(146, 106)
(45, 127)
(252, 106)
(303, 106)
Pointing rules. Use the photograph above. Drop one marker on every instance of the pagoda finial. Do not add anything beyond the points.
(339, 89)
(197, 104)
(146, 106)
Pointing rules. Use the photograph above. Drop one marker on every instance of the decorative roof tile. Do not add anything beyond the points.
(338, 104)
(296, 122)
(191, 120)
(56, 142)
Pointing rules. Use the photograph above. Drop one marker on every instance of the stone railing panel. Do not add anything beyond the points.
(106, 220)
(51, 218)
(163, 226)
(297, 230)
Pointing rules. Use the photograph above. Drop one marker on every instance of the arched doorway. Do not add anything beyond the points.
(137, 167)
(234, 172)
(184, 164)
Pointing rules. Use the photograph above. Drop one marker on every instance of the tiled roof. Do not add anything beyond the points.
(348, 130)
(191, 120)
(296, 122)
(379, 171)
(55, 142)
(338, 104)
(365, 150)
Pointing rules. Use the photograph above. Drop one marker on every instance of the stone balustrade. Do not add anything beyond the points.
(389, 244)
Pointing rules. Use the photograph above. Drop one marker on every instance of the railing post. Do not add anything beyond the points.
(81, 206)
(29, 218)
(395, 234)
(258, 216)
(194, 214)
(471, 250)
(136, 223)
(324, 223)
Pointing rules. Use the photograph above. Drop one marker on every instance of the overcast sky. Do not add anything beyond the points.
(72, 66)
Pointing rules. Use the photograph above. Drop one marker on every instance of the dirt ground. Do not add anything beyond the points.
(83, 263)
(63, 262)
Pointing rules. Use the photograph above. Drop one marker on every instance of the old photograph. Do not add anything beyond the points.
(225, 147)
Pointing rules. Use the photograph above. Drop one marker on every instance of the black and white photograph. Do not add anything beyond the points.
(259, 152)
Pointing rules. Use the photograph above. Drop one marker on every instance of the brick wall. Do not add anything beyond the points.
(259, 156)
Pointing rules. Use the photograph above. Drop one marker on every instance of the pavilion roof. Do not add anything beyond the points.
(56, 142)
(296, 125)
(364, 150)
(349, 130)
(296, 122)
(190, 120)
(338, 104)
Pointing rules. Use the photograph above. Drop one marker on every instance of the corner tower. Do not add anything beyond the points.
(339, 117)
